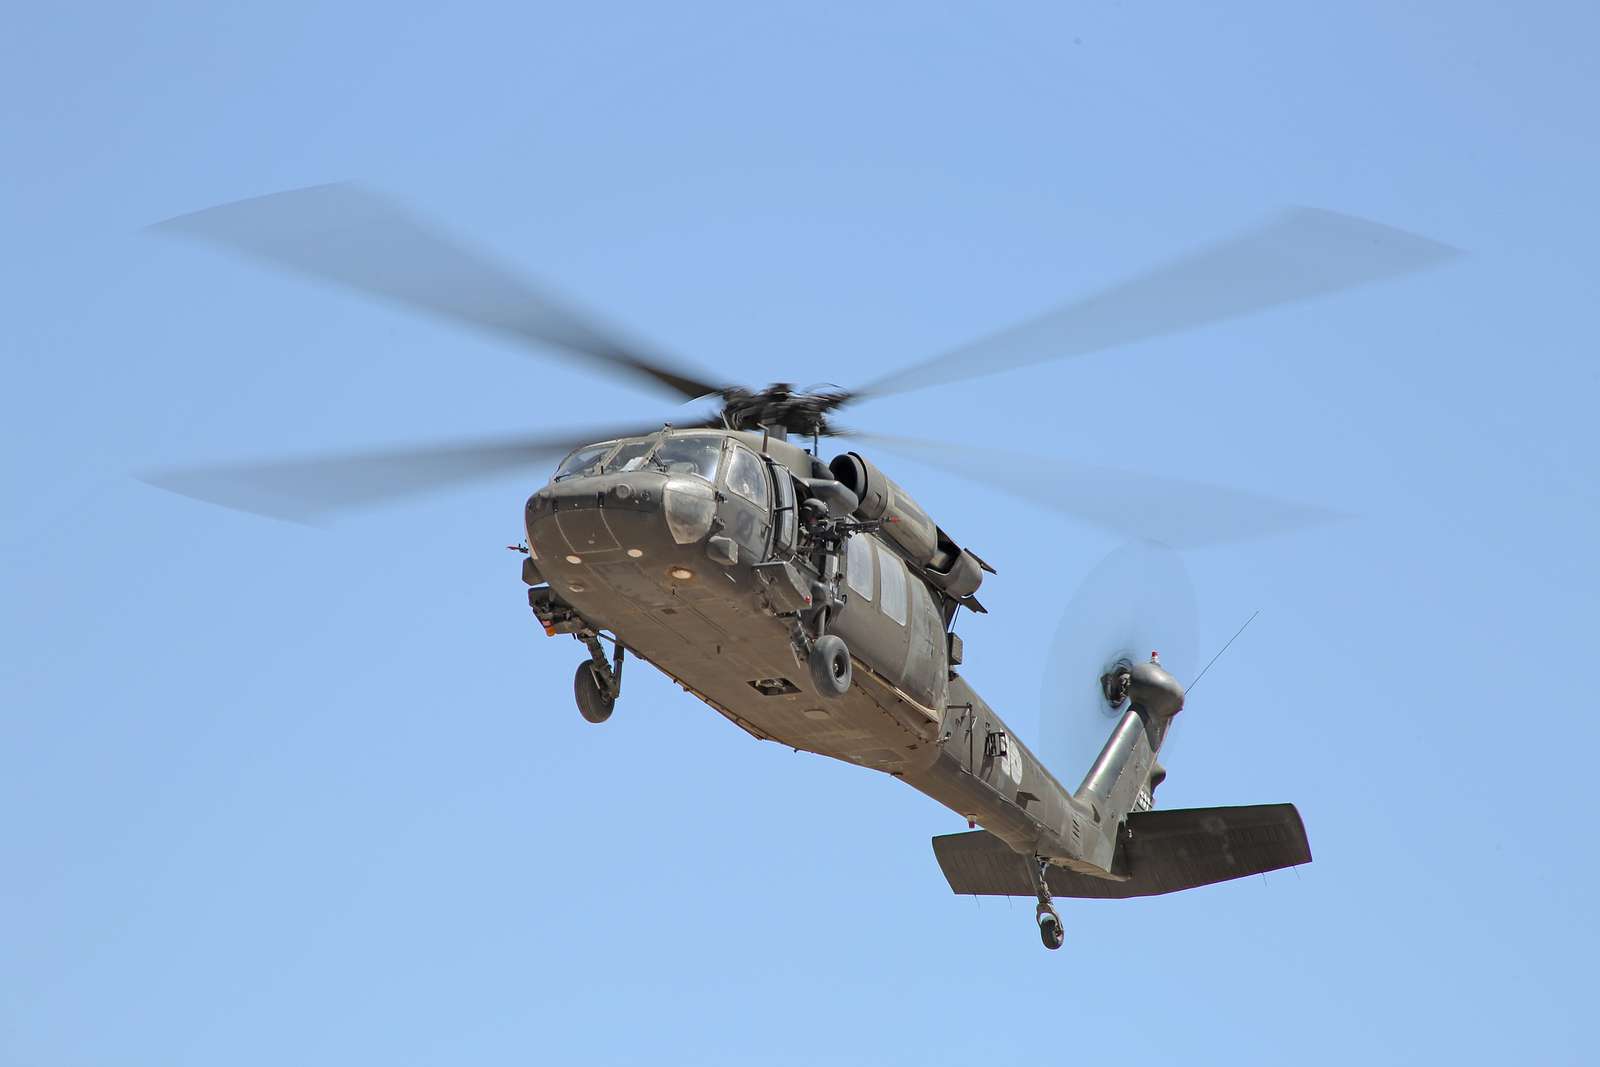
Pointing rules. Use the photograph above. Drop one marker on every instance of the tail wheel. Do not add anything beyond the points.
(1050, 931)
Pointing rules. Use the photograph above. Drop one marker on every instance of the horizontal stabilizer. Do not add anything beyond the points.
(1161, 852)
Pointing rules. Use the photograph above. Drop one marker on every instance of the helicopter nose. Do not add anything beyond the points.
(600, 517)
(630, 490)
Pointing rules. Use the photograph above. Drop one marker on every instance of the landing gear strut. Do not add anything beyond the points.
(825, 655)
(597, 683)
(1050, 931)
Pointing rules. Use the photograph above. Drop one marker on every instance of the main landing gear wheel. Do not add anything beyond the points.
(594, 700)
(830, 666)
(1050, 931)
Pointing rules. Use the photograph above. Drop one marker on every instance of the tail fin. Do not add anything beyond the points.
(1161, 852)
(1123, 776)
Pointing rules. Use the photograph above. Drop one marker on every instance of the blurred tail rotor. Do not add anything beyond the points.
(1135, 609)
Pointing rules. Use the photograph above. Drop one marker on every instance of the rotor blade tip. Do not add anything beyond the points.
(1371, 232)
(344, 195)
(184, 484)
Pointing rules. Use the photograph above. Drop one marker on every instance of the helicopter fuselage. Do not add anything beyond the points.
(812, 604)
(686, 572)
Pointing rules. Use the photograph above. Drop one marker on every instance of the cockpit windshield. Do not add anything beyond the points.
(583, 460)
(696, 454)
(629, 457)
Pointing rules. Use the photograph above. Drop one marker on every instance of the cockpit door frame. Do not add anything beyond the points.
(746, 521)
(785, 510)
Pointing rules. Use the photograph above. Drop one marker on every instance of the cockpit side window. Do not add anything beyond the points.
(697, 455)
(746, 477)
(583, 459)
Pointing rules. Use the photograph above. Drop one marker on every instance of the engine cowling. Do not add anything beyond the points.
(945, 563)
(961, 575)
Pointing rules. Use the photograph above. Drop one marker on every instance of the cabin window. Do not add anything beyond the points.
(892, 585)
(746, 477)
(698, 455)
(858, 565)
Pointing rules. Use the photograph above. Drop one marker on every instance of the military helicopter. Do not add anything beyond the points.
(811, 602)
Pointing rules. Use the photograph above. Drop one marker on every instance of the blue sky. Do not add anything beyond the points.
(273, 794)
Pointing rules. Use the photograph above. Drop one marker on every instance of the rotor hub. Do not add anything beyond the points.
(779, 406)
(1144, 685)
(1115, 682)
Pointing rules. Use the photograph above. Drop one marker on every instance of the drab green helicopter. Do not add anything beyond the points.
(813, 602)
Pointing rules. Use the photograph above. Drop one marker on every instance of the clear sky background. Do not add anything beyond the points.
(273, 795)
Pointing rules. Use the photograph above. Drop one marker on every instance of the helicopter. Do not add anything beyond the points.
(813, 602)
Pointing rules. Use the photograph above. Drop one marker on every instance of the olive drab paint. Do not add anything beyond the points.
(813, 604)
(736, 628)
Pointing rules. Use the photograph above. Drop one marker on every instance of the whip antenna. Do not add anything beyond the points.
(1190, 687)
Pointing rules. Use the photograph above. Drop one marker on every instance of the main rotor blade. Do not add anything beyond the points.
(352, 236)
(1148, 507)
(306, 490)
(1302, 253)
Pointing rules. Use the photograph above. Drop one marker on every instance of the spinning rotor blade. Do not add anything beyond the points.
(1300, 254)
(305, 490)
(1174, 512)
(1136, 601)
(356, 238)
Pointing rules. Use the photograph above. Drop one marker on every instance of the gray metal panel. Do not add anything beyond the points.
(1165, 851)
(925, 674)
